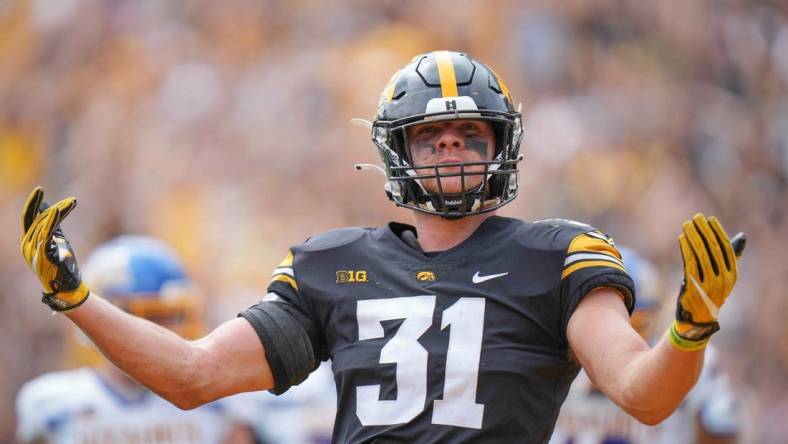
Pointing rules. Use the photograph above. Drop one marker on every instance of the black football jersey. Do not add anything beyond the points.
(465, 346)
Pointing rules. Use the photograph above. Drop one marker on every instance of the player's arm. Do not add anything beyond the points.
(646, 383)
(650, 383)
(231, 359)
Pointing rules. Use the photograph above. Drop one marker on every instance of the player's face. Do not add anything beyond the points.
(447, 142)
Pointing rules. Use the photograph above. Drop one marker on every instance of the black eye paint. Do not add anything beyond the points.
(425, 146)
(477, 145)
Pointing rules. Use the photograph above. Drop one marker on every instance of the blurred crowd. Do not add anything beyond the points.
(223, 128)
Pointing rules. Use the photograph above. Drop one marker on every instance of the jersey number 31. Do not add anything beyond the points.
(458, 406)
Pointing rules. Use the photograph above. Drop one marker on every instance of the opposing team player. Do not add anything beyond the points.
(101, 404)
(463, 327)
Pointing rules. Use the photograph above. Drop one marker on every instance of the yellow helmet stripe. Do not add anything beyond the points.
(388, 91)
(504, 88)
(446, 73)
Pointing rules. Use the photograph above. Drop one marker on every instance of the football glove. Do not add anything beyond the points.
(710, 273)
(48, 253)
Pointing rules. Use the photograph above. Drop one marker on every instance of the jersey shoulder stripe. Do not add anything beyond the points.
(285, 271)
(584, 245)
(591, 249)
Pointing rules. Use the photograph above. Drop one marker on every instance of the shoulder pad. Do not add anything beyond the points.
(552, 234)
(565, 224)
(334, 238)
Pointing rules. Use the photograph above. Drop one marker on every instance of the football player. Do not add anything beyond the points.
(462, 327)
(101, 404)
(588, 417)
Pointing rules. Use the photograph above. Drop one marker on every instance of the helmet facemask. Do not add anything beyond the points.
(484, 185)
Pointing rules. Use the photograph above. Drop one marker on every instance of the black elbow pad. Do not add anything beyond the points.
(288, 348)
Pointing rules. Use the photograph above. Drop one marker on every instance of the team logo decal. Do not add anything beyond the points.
(351, 276)
(425, 276)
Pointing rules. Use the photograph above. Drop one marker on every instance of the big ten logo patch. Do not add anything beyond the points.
(347, 276)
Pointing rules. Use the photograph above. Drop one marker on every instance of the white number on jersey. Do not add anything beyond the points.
(458, 406)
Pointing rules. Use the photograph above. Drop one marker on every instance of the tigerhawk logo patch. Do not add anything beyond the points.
(351, 276)
(425, 276)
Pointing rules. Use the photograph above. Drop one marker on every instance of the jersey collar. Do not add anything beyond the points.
(392, 231)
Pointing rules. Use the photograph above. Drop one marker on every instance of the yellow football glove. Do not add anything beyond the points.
(49, 254)
(710, 273)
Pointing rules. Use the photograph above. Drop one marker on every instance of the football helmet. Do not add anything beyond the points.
(438, 86)
(144, 277)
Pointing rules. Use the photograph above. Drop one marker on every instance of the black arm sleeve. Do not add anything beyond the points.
(288, 348)
(582, 282)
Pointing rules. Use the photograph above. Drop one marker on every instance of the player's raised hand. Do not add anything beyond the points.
(710, 272)
(48, 253)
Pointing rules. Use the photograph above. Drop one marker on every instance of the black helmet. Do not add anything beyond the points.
(447, 85)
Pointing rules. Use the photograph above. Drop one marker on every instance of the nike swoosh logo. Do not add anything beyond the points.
(710, 305)
(479, 279)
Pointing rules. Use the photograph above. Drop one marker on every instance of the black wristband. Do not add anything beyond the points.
(56, 304)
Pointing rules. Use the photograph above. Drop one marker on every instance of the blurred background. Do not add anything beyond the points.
(223, 128)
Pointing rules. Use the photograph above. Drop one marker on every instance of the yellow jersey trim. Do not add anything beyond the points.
(286, 279)
(287, 261)
(585, 264)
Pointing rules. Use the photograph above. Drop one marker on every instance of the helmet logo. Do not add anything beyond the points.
(456, 103)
